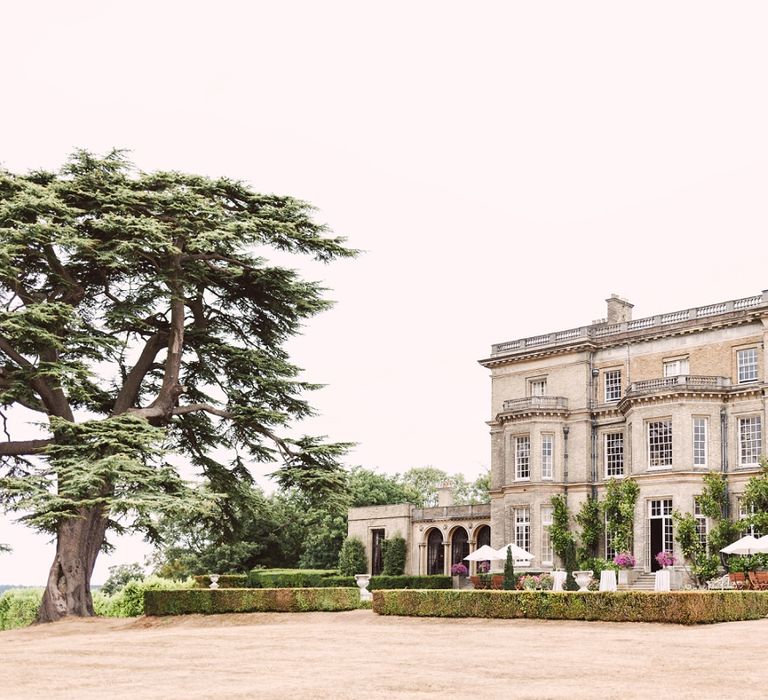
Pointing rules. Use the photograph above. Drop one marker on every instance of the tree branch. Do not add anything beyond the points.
(22, 447)
(208, 408)
(132, 385)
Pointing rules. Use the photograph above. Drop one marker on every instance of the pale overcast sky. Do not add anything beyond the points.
(505, 166)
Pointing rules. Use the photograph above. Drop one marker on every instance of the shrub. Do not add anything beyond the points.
(394, 554)
(509, 572)
(352, 559)
(395, 582)
(459, 570)
(120, 575)
(681, 607)
(290, 578)
(18, 607)
(129, 602)
(237, 600)
(225, 581)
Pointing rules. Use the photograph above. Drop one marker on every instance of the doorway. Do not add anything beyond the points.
(660, 533)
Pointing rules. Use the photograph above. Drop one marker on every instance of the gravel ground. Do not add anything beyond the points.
(359, 655)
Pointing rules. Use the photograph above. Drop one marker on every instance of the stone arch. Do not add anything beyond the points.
(459, 545)
(435, 552)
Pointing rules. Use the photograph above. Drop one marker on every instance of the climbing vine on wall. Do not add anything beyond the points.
(619, 508)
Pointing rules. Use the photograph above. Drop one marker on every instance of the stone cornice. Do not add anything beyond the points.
(603, 335)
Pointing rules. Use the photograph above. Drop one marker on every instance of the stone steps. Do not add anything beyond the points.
(644, 582)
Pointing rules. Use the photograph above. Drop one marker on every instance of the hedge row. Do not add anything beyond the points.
(225, 581)
(321, 579)
(683, 607)
(239, 600)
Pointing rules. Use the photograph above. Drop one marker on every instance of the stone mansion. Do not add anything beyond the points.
(662, 399)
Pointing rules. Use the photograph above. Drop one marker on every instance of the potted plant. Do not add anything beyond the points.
(665, 559)
(626, 562)
(458, 571)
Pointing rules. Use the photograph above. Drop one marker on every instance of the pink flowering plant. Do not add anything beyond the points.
(624, 560)
(459, 570)
(665, 558)
(483, 567)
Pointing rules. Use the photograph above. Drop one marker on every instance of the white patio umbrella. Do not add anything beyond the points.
(746, 545)
(517, 552)
(484, 553)
(762, 543)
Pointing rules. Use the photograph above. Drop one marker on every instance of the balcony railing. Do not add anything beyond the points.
(480, 510)
(689, 382)
(603, 330)
(532, 403)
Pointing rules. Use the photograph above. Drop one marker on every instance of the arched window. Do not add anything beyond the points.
(459, 546)
(483, 536)
(435, 555)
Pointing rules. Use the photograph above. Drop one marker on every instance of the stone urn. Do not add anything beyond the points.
(214, 581)
(362, 581)
(582, 579)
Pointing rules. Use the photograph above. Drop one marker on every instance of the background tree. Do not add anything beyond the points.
(138, 312)
(421, 484)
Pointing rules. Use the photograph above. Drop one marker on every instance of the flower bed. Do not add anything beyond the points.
(231, 600)
(682, 607)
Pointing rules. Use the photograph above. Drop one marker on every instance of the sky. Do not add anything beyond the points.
(503, 166)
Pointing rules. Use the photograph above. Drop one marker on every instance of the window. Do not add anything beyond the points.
(523, 528)
(613, 385)
(750, 440)
(660, 444)
(747, 362)
(547, 551)
(523, 457)
(673, 368)
(547, 449)
(614, 454)
(700, 442)
(701, 523)
(537, 387)
(745, 512)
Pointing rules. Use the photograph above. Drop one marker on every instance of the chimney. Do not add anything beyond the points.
(619, 310)
(445, 494)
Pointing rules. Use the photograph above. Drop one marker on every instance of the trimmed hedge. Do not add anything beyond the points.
(225, 581)
(290, 578)
(390, 582)
(240, 600)
(681, 607)
(310, 578)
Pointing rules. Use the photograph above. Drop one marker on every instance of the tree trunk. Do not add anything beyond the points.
(78, 542)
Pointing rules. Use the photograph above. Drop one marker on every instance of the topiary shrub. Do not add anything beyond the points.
(352, 559)
(129, 602)
(510, 581)
(394, 554)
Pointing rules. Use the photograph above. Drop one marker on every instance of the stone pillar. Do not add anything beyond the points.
(619, 310)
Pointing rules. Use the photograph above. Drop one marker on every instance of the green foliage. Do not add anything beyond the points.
(120, 575)
(394, 554)
(146, 303)
(224, 581)
(590, 519)
(129, 602)
(389, 582)
(563, 540)
(510, 580)
(18, 607)
(290, 578)
(240, 600)
(755, 499)
(713, 502)
(680, 607)
(619, 507)
(752, 562)
(352, 559)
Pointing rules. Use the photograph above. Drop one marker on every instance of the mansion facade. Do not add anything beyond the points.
(663, 399)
